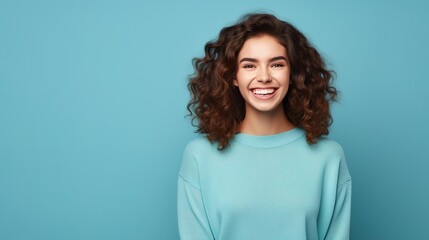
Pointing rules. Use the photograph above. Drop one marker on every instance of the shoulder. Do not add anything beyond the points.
(329, 147)
(333, 155)
(199, 145)
(190, 167)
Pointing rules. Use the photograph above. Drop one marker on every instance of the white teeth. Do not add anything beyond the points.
(263, 91)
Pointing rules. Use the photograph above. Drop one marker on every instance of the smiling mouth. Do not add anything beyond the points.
(263, 91)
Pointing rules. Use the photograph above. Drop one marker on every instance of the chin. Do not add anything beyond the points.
(266, 109)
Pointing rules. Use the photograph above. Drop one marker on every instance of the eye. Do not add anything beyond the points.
(248, 66)
(278, 65)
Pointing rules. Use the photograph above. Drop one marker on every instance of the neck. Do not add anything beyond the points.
(265, 123)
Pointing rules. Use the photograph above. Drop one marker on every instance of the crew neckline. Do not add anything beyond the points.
(273, 140)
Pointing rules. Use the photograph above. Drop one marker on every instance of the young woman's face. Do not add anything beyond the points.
(263, 74)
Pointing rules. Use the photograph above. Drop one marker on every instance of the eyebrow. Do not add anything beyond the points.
(271, 60)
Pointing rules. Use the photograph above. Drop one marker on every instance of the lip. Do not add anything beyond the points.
(264, 97)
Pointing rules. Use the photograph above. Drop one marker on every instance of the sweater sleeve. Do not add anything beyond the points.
(192, 219)
(335, 212)
(339, 227)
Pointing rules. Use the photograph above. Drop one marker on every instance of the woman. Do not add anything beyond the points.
(262, 170)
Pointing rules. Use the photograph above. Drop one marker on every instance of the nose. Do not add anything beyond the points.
(264, 75)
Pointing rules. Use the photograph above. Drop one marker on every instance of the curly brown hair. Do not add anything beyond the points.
(218, 105)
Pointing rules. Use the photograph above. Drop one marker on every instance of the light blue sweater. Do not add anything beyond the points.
(264, 188)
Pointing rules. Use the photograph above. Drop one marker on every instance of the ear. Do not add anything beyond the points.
(235, 82)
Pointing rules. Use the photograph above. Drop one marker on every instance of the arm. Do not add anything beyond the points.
(339, 226)
(192, 219)
(335, 210)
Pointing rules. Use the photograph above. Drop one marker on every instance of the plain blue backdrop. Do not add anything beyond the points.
(93, 97)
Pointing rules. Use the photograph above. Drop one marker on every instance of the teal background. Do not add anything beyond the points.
(93, 96)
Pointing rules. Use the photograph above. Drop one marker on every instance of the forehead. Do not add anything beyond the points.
(262, 46)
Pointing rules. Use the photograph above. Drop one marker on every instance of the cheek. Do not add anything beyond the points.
(283, 77)
(243, 78)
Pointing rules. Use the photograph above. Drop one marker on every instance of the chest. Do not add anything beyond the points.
(272, 185)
